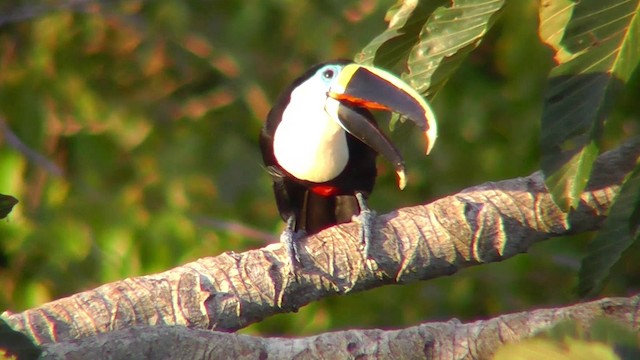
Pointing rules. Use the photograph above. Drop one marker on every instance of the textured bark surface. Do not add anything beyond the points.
(485, 223)
(438, 340)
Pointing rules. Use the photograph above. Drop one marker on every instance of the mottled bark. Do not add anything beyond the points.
(485, 223)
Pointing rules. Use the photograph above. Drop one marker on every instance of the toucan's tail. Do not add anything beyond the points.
(320, 212)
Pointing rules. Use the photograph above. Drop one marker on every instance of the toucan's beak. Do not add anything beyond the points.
(365, 130)
(377, 89)
(371, 88)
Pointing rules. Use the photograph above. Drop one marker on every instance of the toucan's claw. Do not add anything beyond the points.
(289, 239)
(366, 219)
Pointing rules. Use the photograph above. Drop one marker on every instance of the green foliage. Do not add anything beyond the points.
(433, 40)
(448, 36)
(406, 20)
(601, 329)
(596, 45)
(151, 111)
(580, 94)
(619, 232)
(534, 349)
(603, 339)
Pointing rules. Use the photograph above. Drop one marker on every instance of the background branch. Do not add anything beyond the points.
(237, 228)
(29, 12)
(485, 223)
(14, 141)
(434, 340)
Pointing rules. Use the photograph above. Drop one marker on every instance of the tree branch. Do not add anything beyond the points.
(485, 223)
(436, 340)
(236, 228)
(29, 12)
(14, 141)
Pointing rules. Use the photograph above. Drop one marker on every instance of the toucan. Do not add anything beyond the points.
(320, 141)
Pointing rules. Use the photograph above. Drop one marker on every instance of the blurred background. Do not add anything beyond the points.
(128, 131)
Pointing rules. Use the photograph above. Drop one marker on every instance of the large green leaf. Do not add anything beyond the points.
(406, 19)
(616, 235)
(597, 47)
(448, 36)
(434, 39)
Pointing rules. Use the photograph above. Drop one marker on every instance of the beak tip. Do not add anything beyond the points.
(430, 139)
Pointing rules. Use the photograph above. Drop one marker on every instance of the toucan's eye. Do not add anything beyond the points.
(328, 74)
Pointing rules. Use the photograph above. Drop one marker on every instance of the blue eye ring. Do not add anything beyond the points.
(328, 74)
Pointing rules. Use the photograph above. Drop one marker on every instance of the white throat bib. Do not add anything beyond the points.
(308, 143)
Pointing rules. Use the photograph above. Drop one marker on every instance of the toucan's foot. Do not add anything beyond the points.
(289, 239)
(366, 219)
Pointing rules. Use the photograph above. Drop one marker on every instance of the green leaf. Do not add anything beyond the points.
(6, 204)
(620, 338)
(534, 349)
(602, 339)
(597, 48)
(448, 36)
(15, 343)
(618, 232)
(436, 39)
(623, 338)
(405, 19)
(568, 174)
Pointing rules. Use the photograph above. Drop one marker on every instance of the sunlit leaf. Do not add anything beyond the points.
(443, 41)
(449, 35)
(6, 204)
(534, 349)
(397, 17)
(619, 337)
(405, 19)
(570, 174)
(597, 47)
(616, 235)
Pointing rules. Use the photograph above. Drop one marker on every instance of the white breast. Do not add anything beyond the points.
(308, 143)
